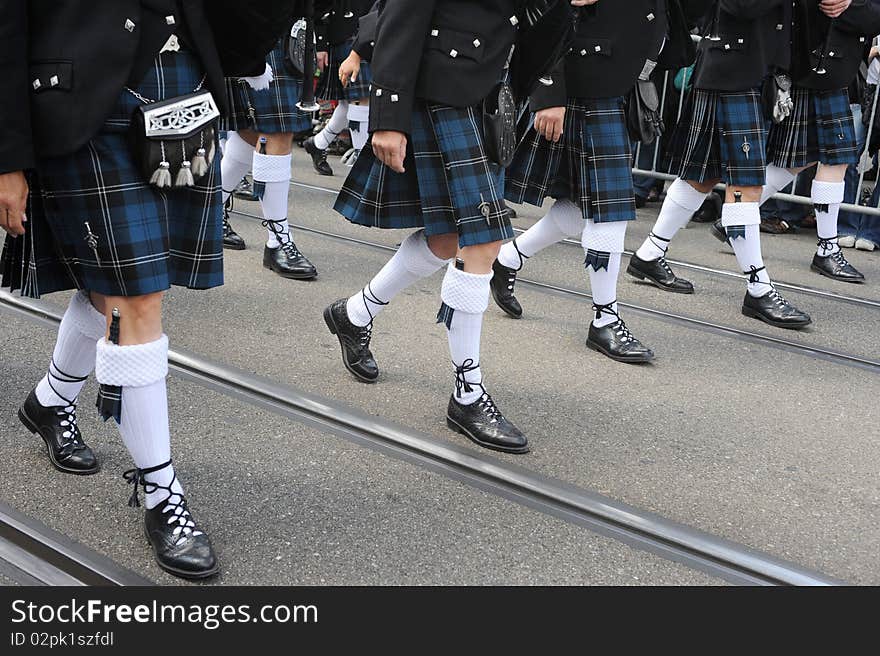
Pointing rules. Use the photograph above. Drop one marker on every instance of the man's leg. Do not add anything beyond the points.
(565, 219)
(317, 146)
(359, 126)
(683, 198)
(237, 161)
(465, 297)
(351, 320)
(741, 218)
(131, 366)
(827, 196)
(50, 409)
(272, 186)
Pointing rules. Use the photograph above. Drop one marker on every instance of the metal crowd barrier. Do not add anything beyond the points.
(653, 172)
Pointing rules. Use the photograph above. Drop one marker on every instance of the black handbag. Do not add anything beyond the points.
(499, 125)
(173, 141)
(295, 50)
(643, 120)
(776, 97)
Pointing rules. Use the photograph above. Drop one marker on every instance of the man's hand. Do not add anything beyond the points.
(350, 69)
(13, 202)
(323, 60)
(834, 8)
(390, 148)
(549, 122)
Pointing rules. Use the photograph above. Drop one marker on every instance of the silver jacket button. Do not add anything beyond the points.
(129, 25)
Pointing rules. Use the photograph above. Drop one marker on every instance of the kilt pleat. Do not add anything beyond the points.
(449, 185)
(720, 136)
(95, 224)
(820, 129)
(591, 164)
(270, 111)
(329, 86)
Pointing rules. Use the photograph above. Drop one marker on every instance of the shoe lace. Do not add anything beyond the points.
(462, 385)
(487, 405)
(290, 249)
(71, 433)
(619, 327)
(175, 503)
(840, 258)
(365, 333)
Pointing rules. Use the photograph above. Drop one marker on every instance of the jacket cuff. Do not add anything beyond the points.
(364, 47)
(545, 97)
(390, 110)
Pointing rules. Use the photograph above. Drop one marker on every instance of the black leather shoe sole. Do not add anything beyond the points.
(510, 313)
(629, 359)
(182, 573)
(821, 271)
(292, 276)
(32, 427)
(237, 246)
(719, 234)
(635, 273)
(331, 324)
(486, 445)
(754, 314)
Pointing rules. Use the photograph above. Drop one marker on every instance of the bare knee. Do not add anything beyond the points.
(140, 317)
(479, 258)
(703, 187)
(835, 173)
(444, 246)
(740, 193)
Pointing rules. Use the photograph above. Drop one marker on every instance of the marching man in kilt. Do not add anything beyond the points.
(336, 26)
(828, 46)
(721, 136)
(262, 120)
(119, 214)
(578, 152)
(428, 170)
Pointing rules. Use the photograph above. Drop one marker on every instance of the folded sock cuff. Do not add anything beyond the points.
(417, 256)
(136, 365)
(465, 292)
(740, 214)
(567, 216)
(827, 193)
(271, 168)
(359, 113)
(238, 150)
(85, 317)
(604, 237)
(685, 196)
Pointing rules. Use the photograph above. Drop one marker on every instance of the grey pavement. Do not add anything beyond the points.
(771, 448)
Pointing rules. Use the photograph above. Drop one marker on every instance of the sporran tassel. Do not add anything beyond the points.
(185, 175)
(161, 177)
(200, 163)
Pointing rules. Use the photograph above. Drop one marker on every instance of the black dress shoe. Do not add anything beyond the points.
(482, 423)
(502, 285)
(772, 308)
(244, 190)
(710, 210)
(641, 201)
(288, 262)
(511, 213)
(355, 342)
(179, 545)
(659, 274)
(836, 266)
(319, 157)
(64, 443)
(719, 232)
(231, 239)
(618, 343)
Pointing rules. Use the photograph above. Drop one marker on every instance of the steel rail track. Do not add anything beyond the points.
(727, 560)
(818, 352)
(803, 289)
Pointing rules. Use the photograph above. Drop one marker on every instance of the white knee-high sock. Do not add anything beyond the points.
(359, 125)
(140, 371)
(236, 162)
(465, 299)
(74, 356)
(337, 123)
(412, 262)
(682, 200)
(603, 246)
(827, 197)
(273, 171)
(564, 219)
(742, 222)
(777, 180)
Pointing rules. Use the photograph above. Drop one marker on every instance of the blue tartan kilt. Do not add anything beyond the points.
(449, 185)
(591, 165)
(720, 136)
(820, 129)
(144, 239)
(271, 111)
(329, 86)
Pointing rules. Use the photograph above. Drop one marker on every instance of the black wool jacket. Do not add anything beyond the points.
(336, 21)
(743, 41)
(612, 42)
(843, 41)
(450, 52)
